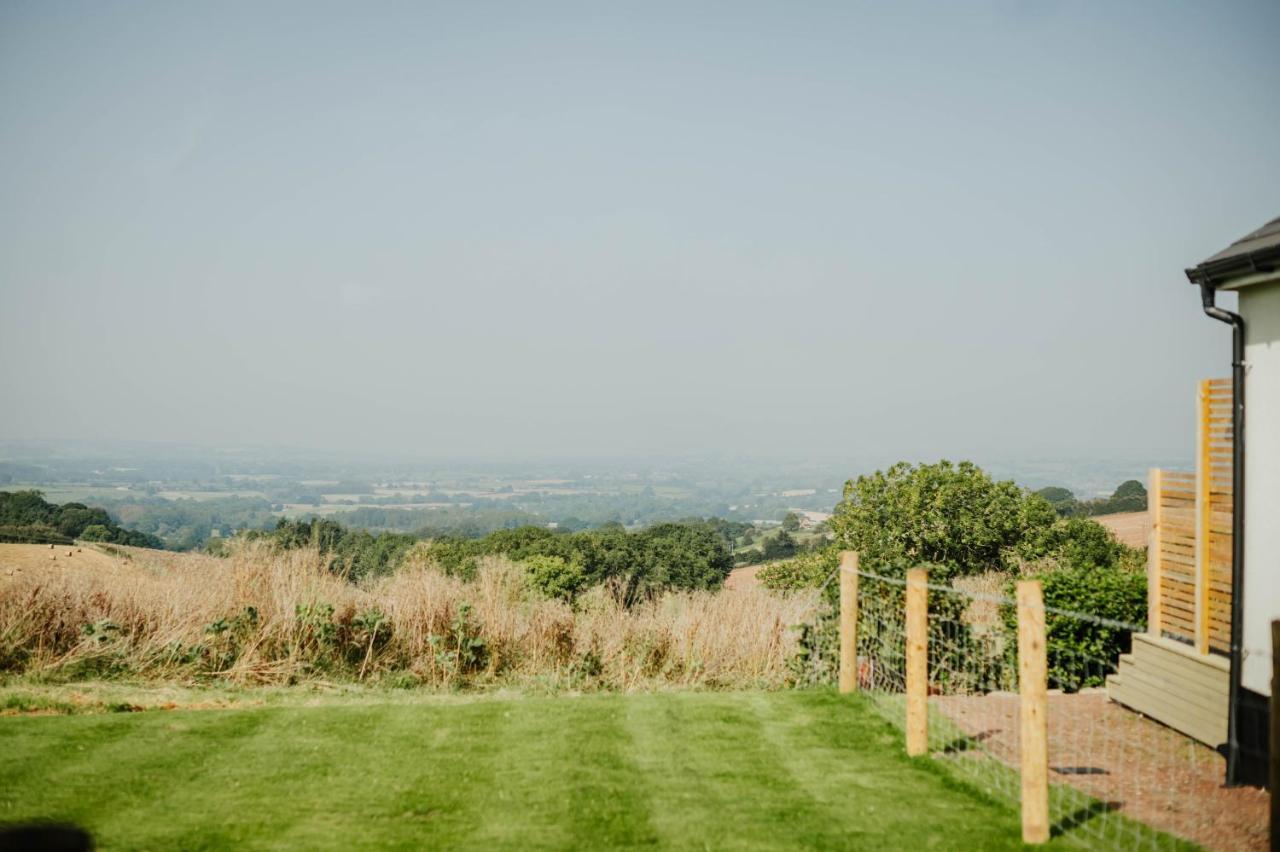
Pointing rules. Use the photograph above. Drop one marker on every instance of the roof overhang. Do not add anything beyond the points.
(1252, 259)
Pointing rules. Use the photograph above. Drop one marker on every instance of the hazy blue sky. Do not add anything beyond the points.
(483, 230)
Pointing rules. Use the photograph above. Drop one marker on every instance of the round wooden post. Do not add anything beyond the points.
(917, 662)
(1033, 688)
(848, 621)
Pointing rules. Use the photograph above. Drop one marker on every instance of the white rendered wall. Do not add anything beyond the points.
(1260, 307)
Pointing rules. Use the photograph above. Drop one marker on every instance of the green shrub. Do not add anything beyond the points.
(554, 577)
(1081, 650)
(1074, 543)
(805, 571)
(96, 532)
(462, 651)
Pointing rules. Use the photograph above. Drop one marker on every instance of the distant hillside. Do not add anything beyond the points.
(25, 516)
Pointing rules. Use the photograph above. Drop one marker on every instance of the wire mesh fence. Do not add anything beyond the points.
(1115, 779)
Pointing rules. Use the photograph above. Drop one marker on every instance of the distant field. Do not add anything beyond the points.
(17, 558)
(100, 559)
(744, 577)
(74, 493)
(1131, 528)
(202, 495)
(750, 770)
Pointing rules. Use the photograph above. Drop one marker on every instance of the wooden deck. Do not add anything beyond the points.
(1171, 683)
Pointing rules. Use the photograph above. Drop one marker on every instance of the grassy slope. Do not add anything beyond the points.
(691, 770)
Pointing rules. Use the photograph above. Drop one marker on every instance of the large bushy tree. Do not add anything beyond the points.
(953, 516)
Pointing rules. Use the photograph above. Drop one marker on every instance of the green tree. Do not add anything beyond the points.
(952, 516)
(791, 522)
(780, 546)
(1062, 500)
(1130, 496)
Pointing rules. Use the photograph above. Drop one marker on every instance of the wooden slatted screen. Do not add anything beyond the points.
(1189, 551)
(1174, 517)
(1214, 513)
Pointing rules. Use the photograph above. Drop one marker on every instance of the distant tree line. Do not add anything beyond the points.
(688, 554)
(691, 554)
(187, 524)
(352, 553)
(25, 516)
(1130, 496)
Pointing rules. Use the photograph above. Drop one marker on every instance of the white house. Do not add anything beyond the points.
(1251, 268)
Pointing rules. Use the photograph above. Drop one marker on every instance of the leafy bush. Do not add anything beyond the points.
(1082, 651)
(96, 532)
(463, 650)
(554, 577)
(1074, 543)
(803, 572)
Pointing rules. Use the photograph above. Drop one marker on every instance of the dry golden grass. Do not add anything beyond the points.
(269, 616)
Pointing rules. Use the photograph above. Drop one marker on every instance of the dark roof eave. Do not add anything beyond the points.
(1219, 272)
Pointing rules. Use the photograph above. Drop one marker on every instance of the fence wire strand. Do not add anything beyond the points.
(1117, 780)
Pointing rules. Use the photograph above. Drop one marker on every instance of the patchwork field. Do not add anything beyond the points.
(788, 770)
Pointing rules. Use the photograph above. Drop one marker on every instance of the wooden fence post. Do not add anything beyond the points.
(1033, 689)
(917, 661)
(1204, 476)
(848, 621)
(1153, 553)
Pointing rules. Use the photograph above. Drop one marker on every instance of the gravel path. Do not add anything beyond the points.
(1138, 767)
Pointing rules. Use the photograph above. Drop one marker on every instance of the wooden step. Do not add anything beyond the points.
(1206, 731)
(1180, 692)
(1180, 671)
(1173, 684)
(1154, 706)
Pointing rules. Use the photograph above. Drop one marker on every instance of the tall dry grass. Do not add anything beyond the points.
(267, 616)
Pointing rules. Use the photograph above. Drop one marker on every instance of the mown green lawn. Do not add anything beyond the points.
(794, 770)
